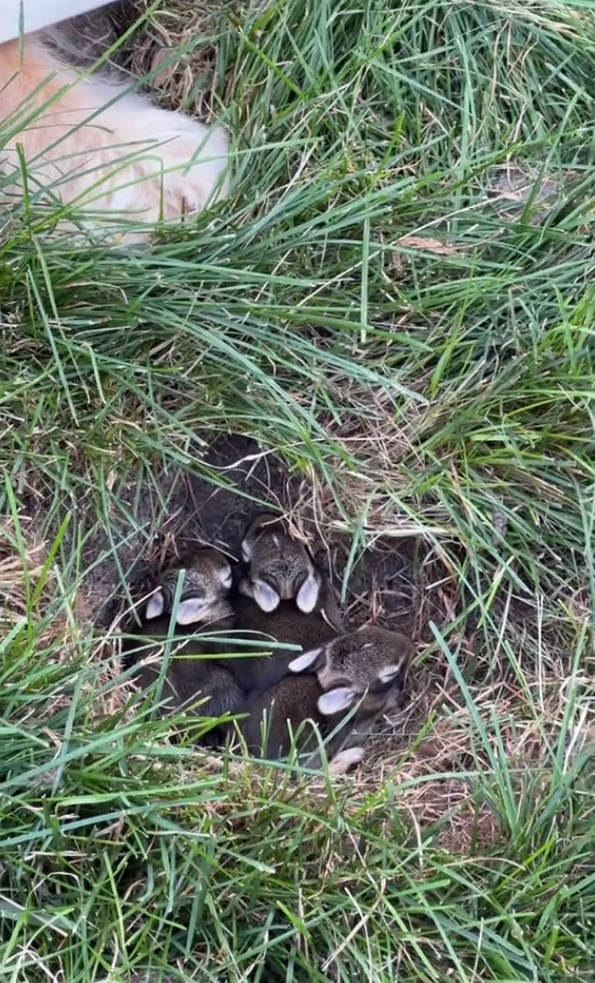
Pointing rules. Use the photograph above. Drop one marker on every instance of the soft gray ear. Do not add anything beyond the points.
(307, 596)
(304, 661)
(190, 611)
(155, 606)
(264, 595)
(224, 575)
(247, 550)
(388, 673)
(337, 700)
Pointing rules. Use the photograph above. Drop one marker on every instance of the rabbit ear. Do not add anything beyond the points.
(156, 606)
(252, 532)
(336, 700)
(264, 595)
(190, 611)
(224, 575)
(305, 661)
(391, 677)
(307, 596)
(388, 674)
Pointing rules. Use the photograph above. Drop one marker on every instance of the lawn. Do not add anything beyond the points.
(397, 303)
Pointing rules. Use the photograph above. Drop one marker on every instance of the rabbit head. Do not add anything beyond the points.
(207, 581)
(366, 667)
(280, 567)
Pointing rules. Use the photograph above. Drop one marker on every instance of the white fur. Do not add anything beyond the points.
(336, 700)
(224, 576)
(307, 597)
(387, 674)
(190, 611)
(155, 606)
(304, 661)
(264, 595)
(346, 759)
(93, 143)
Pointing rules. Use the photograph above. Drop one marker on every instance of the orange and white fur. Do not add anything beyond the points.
(92, 143)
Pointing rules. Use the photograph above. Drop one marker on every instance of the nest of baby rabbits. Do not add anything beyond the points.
(260, 649)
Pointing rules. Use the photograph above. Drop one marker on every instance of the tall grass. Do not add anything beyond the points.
(418, 347)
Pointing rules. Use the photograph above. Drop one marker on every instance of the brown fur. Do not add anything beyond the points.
(292, 700)
(189, 678)
(285, 625)
(355, 658)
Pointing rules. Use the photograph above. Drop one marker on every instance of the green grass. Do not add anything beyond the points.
(423, 355)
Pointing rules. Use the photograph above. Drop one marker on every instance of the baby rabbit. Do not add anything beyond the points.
(204, 605)
(370, 664)
(285, 597)
(346, 712)
(289, 706)
(205, 590)
(357, 677)
(192, 673)
(280, 566)
(357, 656)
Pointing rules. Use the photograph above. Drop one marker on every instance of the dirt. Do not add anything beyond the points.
(157, 517)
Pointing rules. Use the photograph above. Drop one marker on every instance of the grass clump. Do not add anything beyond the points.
(397, 301)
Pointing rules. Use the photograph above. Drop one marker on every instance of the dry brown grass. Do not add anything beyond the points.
(174, 47)
(20, 566)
